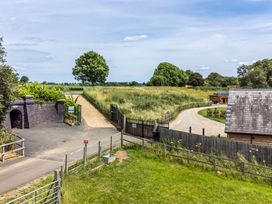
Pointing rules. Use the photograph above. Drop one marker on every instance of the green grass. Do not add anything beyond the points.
(146, 103)
(204, 113)
(146, 179)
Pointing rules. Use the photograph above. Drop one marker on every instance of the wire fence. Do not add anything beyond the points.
(217, 163)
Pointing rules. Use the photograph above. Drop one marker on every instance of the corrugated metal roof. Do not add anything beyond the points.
(249, 111)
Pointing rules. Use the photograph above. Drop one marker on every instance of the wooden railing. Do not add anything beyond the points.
(17, 146)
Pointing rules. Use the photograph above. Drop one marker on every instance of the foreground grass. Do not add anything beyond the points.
(145, 103)
(146, 179)
(204, 113)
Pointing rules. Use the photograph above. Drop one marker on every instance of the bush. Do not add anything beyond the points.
(40, 92)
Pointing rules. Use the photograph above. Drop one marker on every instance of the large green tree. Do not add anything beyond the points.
(8, 84)
(214, 79)
(8, 89)
(24, 79)
(167, 74)
(257, 75)
(195, 79)
(92, 68)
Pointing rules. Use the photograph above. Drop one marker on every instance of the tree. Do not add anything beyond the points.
(257, 75)
(215, 79)
(8, 89)
(196, 79)
(24, 79)
(91, 67)
(168, 74)
(2, 52)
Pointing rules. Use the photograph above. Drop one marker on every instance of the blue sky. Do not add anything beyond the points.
(43, 38)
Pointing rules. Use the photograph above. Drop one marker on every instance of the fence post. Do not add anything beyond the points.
(61, 173)
(142, 128)
(142, 142)
(203, 131)
(188, 156)
(35, 197)
(190, 130)
(85, 155)
(99, 150)
(57, 186)
(214, 164)
(219, 136)
(122, 137)
(243, 168)
(111, 144)
(23, 146)
(3, 153)
(66, 164)
(124, 123)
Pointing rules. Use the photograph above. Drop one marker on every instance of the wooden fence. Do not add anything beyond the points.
(216, 163)
(217, 146)
(17, 147)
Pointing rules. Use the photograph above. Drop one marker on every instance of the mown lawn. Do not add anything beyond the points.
(204, 113)
(145, 103)
(146, 179)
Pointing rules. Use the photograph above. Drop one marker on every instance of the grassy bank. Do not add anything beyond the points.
(216, 114)
(146, 103)
(144, 178)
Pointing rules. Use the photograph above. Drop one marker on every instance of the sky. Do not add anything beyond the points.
(43, 38)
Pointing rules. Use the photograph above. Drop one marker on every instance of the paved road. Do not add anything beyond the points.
(191, 118)
(47, 144)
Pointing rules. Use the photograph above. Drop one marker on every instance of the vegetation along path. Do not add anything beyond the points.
(191, 118)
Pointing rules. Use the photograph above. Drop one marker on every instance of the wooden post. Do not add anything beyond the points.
(99, 150)
(61, 173)
(66, 164)
(203, 131)
(111, 144)
(214, 164)
(190, 130)
(188, 156)
(122, 137)
(142, 142)
(85, 155)
(35, 197)
(164, 150)
(219, 136)
(124, 123)
(3, 153)
(243, 168)
(142, 128)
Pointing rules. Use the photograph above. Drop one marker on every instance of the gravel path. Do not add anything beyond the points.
(191, 118)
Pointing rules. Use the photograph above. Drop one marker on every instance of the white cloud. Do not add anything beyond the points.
(204, 67)
(233, 60)
(133, 38)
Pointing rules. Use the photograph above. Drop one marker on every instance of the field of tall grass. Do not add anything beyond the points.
(146, 103)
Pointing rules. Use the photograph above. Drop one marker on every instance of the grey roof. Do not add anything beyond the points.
(249, 111)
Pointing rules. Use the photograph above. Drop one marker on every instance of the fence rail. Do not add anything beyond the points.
(216, 162)
(17, 146)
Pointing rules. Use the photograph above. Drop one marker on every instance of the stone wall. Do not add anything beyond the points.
(33, 114)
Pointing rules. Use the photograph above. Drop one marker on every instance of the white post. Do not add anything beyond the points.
(125, 124)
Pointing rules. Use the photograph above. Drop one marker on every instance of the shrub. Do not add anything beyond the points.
(40, 92)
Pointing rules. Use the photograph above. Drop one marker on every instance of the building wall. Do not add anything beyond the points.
(34, 114)
(255, 139)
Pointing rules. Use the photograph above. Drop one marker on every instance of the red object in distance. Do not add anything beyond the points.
(85, 141)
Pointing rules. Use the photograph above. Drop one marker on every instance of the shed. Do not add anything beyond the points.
(219, 97)
(249, 115)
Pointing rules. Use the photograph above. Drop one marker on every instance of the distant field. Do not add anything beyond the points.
(146, 103)
(221, 117)
(144, 178)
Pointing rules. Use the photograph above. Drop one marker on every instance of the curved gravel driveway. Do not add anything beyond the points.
(191, 118)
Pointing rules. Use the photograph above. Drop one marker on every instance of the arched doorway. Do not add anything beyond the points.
(16, 119)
